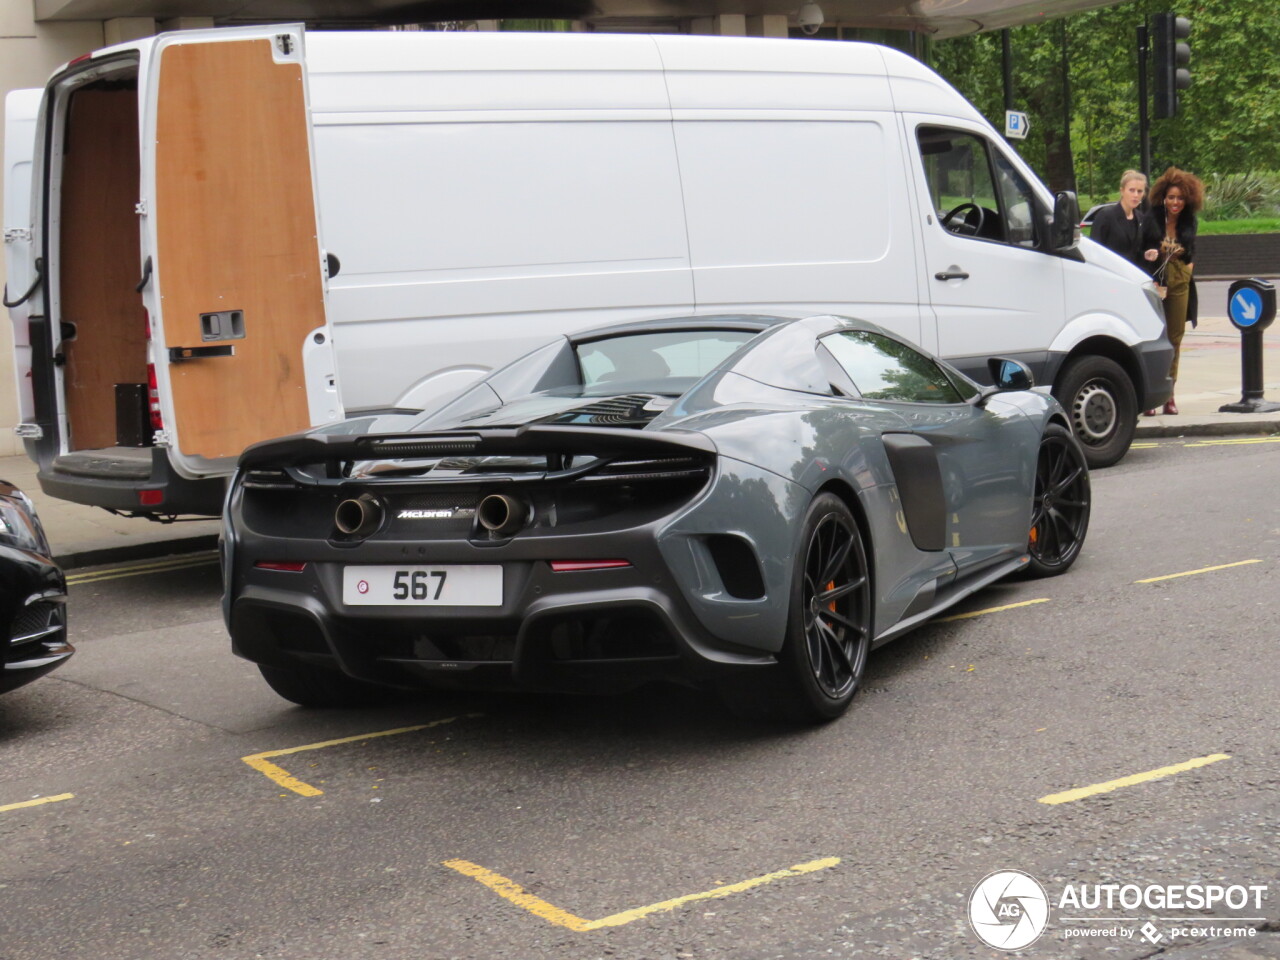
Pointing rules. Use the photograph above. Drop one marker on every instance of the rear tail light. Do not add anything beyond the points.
(284, 566)
(153, 398)
(150, 498)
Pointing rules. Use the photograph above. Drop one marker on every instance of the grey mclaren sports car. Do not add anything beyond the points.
(751, 504)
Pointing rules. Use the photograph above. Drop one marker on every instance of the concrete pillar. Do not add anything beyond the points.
(124, 29)
(770, 25)
(724, 25)
(185, 23)
(29, 53)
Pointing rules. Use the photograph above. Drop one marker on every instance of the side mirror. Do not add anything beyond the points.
(1064, 230)
(1010, 374)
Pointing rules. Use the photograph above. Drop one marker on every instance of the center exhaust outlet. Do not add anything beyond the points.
(501, 514)
(358, 517)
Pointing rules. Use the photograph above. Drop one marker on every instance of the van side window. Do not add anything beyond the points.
(1017, 203)
(975, 190)
(883, 368)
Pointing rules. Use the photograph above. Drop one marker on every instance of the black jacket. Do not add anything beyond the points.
(1115, 231)
(1188, 226)
(1186, 231)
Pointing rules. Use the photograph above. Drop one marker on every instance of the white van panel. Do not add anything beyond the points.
(917, 89)
(423, 198)
(1104, 296)
(21, 108)
(532, 247)
(515, 54)
(810, 214)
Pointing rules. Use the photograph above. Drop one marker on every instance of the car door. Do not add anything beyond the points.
(962, 469)
(993, 288)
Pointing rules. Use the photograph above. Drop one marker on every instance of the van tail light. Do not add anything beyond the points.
(153, 398)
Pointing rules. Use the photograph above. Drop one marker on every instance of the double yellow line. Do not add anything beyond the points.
(183, 562)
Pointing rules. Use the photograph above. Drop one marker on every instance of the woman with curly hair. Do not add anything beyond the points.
(1171, 247)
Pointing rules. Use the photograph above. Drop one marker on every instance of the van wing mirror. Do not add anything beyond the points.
(1065, 229)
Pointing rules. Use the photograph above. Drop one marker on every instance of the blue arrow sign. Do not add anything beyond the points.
(1245, 307)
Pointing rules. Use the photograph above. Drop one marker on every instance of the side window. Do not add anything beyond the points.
(1017, 201)
(961, 187)
(975, 190)
(886, 369)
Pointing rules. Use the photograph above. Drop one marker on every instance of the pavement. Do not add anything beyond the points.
(1210, 376)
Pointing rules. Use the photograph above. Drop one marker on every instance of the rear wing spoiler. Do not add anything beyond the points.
(536, 440)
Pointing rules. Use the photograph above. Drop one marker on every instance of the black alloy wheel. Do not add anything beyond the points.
(1059, 505)
(829, 633)
(829, 625)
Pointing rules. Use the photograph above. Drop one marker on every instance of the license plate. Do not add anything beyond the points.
(448, 585)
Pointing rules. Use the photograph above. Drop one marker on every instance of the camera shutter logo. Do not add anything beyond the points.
(1008, 910)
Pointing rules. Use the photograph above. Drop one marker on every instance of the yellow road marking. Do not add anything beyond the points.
(1067, 796)
(983, 613)
(36, 802)
(1142, 446)
(513, 892)
(139, 569)
(1192, 573)
(1233, 442)
(261, 763)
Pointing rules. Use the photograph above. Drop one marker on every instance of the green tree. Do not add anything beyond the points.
(1226, 121)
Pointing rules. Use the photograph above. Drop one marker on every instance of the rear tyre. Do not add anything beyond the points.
(311, 686)
(1059, 505)
(828, 626)
(1100, 400)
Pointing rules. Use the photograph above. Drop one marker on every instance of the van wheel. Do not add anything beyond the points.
(310, 686)
(1103, 406)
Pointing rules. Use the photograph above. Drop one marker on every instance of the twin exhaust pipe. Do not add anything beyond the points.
(500, 514)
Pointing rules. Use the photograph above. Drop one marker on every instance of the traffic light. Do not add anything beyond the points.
(1171, 57)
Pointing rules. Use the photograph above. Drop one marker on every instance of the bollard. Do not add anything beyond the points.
(1251, 306)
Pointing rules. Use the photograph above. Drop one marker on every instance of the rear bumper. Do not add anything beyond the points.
(587, 632)
(99, 479)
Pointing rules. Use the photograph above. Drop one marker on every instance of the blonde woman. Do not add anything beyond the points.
(1122, 226)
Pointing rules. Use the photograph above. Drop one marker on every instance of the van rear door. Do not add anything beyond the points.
(21, 109)
(234, 281)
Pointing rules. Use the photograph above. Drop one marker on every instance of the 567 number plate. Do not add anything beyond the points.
(450, 585)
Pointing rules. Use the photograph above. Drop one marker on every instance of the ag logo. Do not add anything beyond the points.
(1008, 910)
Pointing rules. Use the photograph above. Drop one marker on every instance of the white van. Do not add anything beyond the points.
(213, 212)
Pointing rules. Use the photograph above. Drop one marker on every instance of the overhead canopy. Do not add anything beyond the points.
(941, 18)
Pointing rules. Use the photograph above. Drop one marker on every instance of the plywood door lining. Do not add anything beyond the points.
(236, 229)
(98, 266)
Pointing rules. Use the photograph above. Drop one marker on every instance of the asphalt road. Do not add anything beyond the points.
(654, 826)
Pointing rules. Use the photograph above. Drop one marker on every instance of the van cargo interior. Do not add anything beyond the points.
(99, 311)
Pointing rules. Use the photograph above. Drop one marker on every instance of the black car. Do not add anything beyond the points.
(33, 594)
(753, 503)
